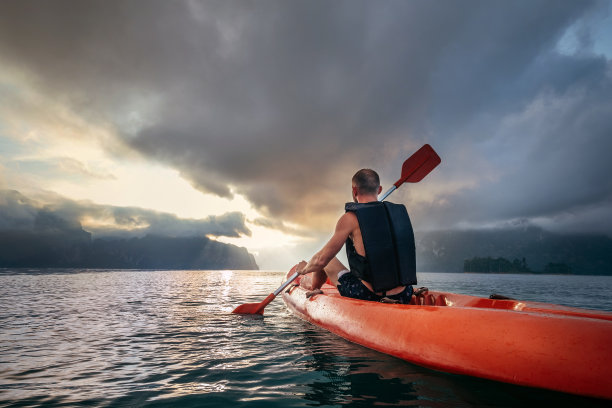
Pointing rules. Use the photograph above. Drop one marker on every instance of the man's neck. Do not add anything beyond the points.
(367, 198)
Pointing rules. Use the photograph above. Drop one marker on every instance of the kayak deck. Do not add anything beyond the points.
(432, 298)
(525, 343)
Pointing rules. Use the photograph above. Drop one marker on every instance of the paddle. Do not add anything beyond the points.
(258, 308)
(417, 166)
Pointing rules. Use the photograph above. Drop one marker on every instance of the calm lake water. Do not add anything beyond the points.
(168, 339)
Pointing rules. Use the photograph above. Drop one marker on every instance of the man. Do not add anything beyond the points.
(379, 244)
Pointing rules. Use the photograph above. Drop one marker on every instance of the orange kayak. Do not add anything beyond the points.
(525, 343)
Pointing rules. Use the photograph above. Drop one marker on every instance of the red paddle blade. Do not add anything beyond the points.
(254, 308)
(420, 164)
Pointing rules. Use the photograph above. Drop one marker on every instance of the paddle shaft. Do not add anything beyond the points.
(387, 193)
(284, 285)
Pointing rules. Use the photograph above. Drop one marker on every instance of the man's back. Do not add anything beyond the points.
(385, 257)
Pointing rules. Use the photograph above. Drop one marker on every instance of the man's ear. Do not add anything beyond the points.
(379, 190)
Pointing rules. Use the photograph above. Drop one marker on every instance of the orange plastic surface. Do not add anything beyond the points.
(525, 343)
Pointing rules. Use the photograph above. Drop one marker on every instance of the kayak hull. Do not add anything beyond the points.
(524, 343)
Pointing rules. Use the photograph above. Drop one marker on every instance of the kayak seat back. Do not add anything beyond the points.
(429, 299)
(440, 300)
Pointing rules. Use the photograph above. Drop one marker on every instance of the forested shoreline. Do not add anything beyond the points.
(503, 265)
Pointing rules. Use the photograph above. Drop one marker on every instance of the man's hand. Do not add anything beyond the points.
(301, 268)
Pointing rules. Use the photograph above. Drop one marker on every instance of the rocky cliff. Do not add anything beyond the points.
(42, 239)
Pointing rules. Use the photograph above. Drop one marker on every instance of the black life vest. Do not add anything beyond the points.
(388, 239)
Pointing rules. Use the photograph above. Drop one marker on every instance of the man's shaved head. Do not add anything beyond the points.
(366, 181)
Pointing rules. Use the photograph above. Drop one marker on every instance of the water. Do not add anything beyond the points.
(168, 339)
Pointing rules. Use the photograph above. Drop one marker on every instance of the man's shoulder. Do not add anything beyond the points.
(348, 218)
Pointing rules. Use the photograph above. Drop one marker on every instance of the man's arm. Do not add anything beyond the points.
(344, 227)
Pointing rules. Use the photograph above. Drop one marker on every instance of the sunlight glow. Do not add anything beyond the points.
(48, 148)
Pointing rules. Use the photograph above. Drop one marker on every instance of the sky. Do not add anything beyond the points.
(245, 120)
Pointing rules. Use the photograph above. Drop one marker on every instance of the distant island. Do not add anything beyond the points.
(502, 265)
(508, 249)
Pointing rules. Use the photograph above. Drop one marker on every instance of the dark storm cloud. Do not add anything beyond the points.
(549, 160)
(280, 226)
(20, 213)
(283, 101)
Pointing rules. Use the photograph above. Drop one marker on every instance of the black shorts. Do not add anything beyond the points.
(351, 286)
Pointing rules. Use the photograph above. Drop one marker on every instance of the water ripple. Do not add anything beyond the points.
(167, 338)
